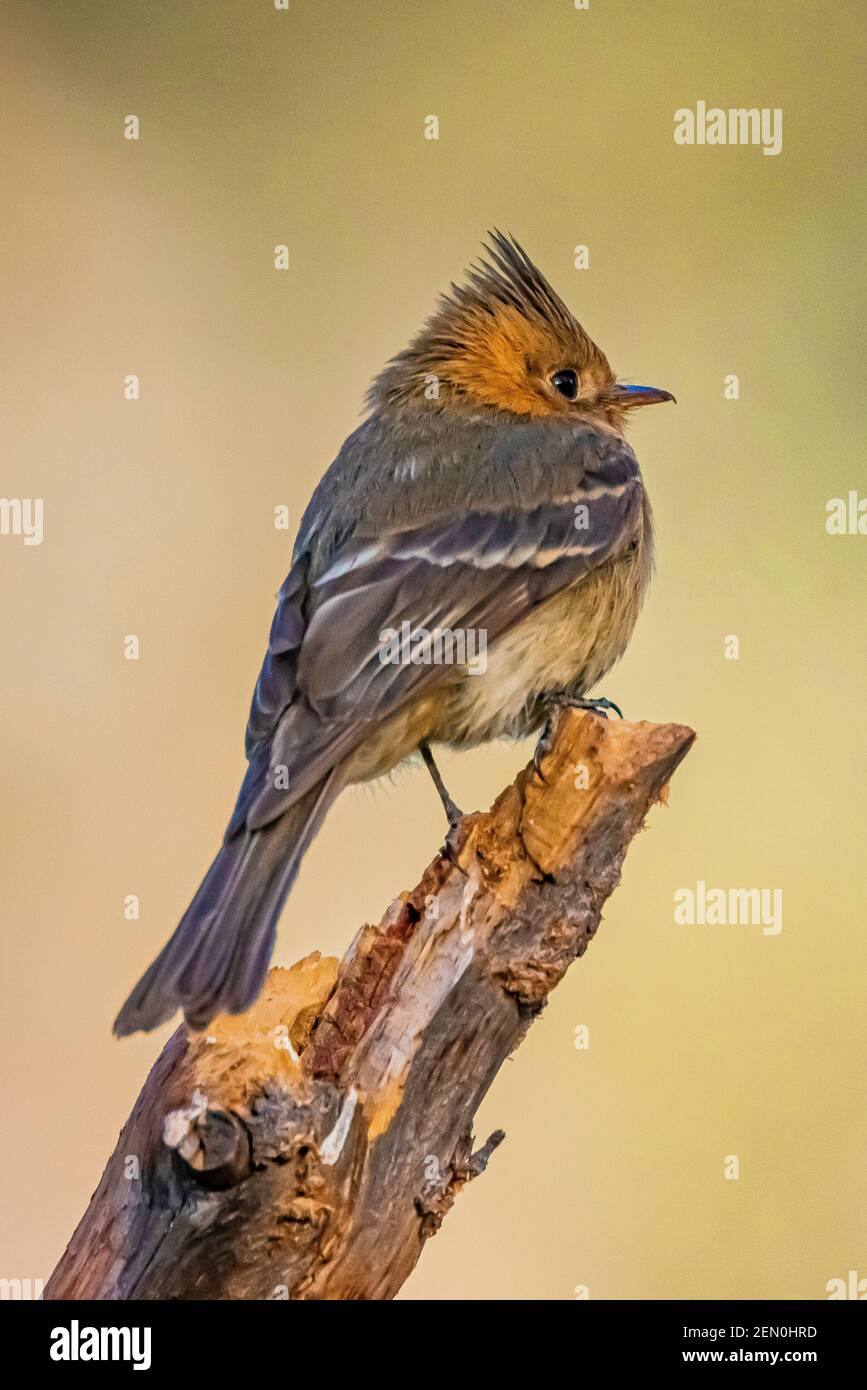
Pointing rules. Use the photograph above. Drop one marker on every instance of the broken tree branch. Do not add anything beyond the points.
(308, 1148)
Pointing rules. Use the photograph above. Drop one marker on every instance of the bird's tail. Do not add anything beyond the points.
(218, 955)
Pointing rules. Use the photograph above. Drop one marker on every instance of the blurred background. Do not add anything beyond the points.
(155, 257)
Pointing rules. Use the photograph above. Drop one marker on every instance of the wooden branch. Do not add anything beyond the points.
(308, 1148)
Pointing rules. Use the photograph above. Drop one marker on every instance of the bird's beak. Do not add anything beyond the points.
(629, 396)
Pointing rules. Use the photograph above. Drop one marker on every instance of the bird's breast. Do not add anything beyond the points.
(567, 644)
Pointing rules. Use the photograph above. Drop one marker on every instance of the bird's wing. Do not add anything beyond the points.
(325, 681)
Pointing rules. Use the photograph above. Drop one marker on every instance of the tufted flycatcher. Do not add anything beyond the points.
(477, 553)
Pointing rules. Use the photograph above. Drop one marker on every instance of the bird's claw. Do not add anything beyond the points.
(543, 748)
(599, 706)
(453, 844)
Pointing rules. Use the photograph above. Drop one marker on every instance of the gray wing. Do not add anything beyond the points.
(324, 683)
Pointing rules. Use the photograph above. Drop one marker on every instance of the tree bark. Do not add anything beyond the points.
(309, 1148)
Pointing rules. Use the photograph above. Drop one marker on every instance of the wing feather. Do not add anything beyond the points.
(325, 683)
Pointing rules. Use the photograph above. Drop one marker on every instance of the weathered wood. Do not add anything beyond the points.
(309, 1148)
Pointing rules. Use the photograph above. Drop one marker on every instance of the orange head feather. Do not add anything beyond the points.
(497, 341)
(505, 340)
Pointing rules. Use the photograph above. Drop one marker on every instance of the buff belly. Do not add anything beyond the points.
(567, 644)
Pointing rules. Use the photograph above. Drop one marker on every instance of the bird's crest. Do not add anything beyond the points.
(509, 277)
(487, 332)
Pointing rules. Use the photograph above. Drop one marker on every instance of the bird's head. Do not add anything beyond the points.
(505, 340)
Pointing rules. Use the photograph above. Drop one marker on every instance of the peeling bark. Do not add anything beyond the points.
(310, 1147)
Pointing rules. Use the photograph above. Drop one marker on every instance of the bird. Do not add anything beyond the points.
(488, 491)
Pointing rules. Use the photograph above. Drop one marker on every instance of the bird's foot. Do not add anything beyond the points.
(451, 849)
(599, 706)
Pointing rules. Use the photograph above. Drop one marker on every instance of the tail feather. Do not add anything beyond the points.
(218, 956)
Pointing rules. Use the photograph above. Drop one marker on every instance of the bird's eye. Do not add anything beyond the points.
(566, 384)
